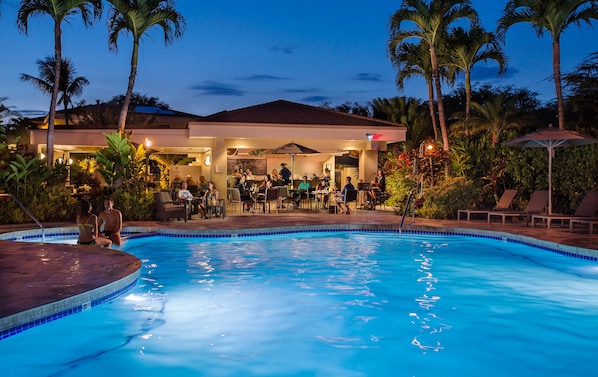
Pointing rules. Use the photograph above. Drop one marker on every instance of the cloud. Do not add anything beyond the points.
(481, 73)
(301, 90)
(283, 50)
(32, 113)
(261, 78)
(316, 99)
(368, 77)
(217, 89)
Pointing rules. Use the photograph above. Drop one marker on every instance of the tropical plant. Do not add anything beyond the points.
(469, 47)
(431, 22)
(494, 116)
(552, 17)
(407, 111)
(582, 93)
(69, 85)
(59, 11)
(411, 60)
(121, 163)
(138, 17)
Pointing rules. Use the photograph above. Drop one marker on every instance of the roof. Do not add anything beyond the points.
(286, 112)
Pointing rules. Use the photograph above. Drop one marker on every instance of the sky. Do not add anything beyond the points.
(238, 53)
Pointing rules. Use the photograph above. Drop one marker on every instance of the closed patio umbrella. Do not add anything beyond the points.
(550, 138)
(292, 149)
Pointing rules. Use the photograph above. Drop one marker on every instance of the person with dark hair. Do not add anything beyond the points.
(285, 173)
(340, 196)
(87, 223)
(377, 187)
(112, 220)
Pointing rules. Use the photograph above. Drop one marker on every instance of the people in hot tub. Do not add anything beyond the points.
(87, 223)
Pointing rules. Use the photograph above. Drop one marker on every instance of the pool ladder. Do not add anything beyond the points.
(405, 210)
(27, 211)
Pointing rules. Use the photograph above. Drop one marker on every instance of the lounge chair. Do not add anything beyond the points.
(535, 206)
(166, 208)
(504, 204)
(585, 211)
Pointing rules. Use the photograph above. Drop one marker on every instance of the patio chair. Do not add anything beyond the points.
(585, 211)
(283, 194)
(271, 195)
(504, 204)
(536, 205)
(166, 208)
(234, 198)
(350, 196)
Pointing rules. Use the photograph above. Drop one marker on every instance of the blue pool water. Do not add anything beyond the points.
(330, 304)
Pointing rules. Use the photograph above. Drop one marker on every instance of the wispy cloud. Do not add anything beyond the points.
(480, 73)
(217, 89)
(262, 78)
(301, 90)
(368, 77)
(316, 99)
(283, 49)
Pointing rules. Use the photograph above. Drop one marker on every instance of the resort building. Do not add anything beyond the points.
(224, 143)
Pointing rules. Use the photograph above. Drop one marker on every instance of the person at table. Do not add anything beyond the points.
(210, 197)
(266, 183)
(202, 186)
(248, 174)
(378, 186)
(326, 175)
(87, 223)
(185, 195)
(323, 189)
(245, 192)
(340, 197)
(274, 175)
(285, 174)
(303, 188)
(112, 221)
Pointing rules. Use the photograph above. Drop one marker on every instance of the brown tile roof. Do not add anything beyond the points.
(286, 112)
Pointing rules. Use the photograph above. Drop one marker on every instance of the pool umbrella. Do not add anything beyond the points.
(292, 149)
(550, 138)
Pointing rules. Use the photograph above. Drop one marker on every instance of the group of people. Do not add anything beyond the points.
(102, 230)
(200, 204)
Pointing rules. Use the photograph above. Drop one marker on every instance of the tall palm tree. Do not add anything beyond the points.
(137, 17)
(69, 85)
(408, 111)
(431, 21)
(411, 60)
(469, 47)
(553, 17)
(59, 11)
(494, 116)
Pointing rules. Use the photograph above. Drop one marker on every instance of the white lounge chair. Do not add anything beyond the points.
(504, 204)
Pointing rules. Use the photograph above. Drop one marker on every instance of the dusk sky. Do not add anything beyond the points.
(243, 53)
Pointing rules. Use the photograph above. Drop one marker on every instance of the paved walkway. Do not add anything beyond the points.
(35, 274)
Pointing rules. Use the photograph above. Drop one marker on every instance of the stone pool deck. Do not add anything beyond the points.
(34, 275)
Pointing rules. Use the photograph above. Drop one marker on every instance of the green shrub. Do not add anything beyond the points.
(446, 198)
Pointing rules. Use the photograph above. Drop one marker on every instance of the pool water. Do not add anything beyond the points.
(330, 304)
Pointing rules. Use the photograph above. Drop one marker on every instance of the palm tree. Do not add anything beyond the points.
(137, 17)
(553, 17)
(408, 111)
(69, 86)
(59, 11)
(467, 48)
(431, 22)
(413, 60)
(494, 116)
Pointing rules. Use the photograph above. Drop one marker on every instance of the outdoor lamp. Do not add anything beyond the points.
(429, 148)
(370, 137)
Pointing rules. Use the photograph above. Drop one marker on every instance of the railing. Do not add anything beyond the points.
(405, 210)
(27, 211)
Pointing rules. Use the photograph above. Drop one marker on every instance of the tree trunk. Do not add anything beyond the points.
(467, 94)
(53, 99)
(441, 118)
(432, 109)
(125, 109)
(556, 66)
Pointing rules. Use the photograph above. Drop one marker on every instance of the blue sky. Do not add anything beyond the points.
(242, 53)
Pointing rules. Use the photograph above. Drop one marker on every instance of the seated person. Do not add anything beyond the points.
(112, 220)
(304, 188)
(322, 196)
(245, 191)
(210, 197)
(87, 223)
(185, 194)
(341, 195)
(202, 186)
(377, 186)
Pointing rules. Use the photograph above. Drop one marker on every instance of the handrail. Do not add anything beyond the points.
(405, 210)
(27, 211)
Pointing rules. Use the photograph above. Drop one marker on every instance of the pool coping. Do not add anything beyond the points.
(16, 323)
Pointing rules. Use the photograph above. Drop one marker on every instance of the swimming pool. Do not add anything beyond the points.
(330, 304)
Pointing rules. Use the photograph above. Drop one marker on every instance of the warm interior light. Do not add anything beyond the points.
(148, 143)
(70, 161)
(42, 156)
(208, 161)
